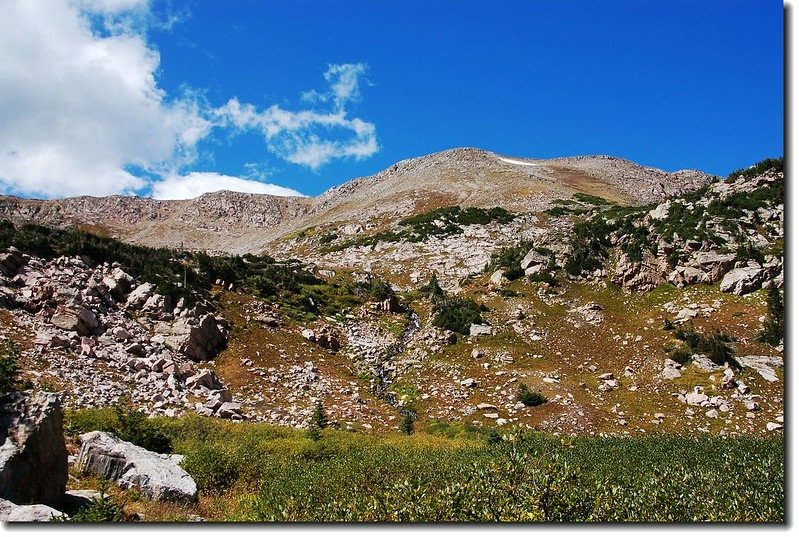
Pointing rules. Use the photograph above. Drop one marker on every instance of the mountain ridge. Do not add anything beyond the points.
(233, 222)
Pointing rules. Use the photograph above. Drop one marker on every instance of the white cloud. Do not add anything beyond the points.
(311, 138)
(344, 83)
(198, 183)
(81, 111)
(78, 109)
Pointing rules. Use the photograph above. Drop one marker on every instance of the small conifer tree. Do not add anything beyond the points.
(319, 416)
(406, 425)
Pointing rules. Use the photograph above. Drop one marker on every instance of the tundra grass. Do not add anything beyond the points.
(256, 472)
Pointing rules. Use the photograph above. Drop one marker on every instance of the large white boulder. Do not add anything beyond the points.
(743, 280)
(157, 476)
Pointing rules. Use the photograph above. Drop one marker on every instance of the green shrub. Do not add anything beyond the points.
(133, 426)
(544, 277)
(9, 367)
(406, 425)
(593, 200)
(717, 346)
(528, 397)
(509, 257)
(513, 273)
(457, 314)
(319, 416)
(773, 330)
(776, 164)
(747, 251)
(213, 467)
(681, 356)
(432, 290)
(100, 509)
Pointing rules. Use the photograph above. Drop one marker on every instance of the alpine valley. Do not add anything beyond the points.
(458, 300)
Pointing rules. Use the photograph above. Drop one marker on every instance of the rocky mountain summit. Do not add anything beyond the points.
(230, 222)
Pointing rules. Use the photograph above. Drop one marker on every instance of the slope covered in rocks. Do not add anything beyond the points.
(622, 319)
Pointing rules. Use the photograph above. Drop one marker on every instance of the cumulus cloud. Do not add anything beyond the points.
(78, 110)
(311, 138)
(197, 183)
(81, 111)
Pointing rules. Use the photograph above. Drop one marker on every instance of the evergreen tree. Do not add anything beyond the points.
(406, 426)
(319, 416)
(774, 325)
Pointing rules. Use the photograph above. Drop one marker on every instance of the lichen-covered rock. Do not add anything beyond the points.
(33, 455)
(157, 476)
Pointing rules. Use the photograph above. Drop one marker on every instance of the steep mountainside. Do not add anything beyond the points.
(239, 223)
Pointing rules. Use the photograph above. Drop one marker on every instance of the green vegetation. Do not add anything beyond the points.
(436, 223)
(160, 266)
(589, 243)
(318, 422)
(457, 314)
(100, 509)
(406, 425)
(451, 312)
(776, 164)
(133, 426)
(773, 330)
(593, 200)
(303, 295)
(716, 346)
(257, 472)
(9, 367)
(123, 421)
(528, 397)
(509, 257)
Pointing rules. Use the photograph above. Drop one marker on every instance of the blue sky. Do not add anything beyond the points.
(190, 96)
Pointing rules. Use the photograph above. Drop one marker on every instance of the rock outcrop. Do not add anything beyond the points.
(198, 339)
(33, 456)
(157, 476)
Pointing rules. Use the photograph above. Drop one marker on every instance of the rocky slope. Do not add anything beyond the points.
(586, 303)
(239, 223)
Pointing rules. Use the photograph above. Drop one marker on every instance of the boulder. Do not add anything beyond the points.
(33, 455)
(75, 318)
(696, 399)
(712, 263)
(671, 370)
(498, 277)
(140, 295)
(157, 476)
(205, 378)
(661, 212)
(743, 280)
(480, 330)
(230, 410)
(533, 258)
(764, 365)
(10, 261)
(199, 341)
(309, 334)
(6, 507)
(32, 513)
